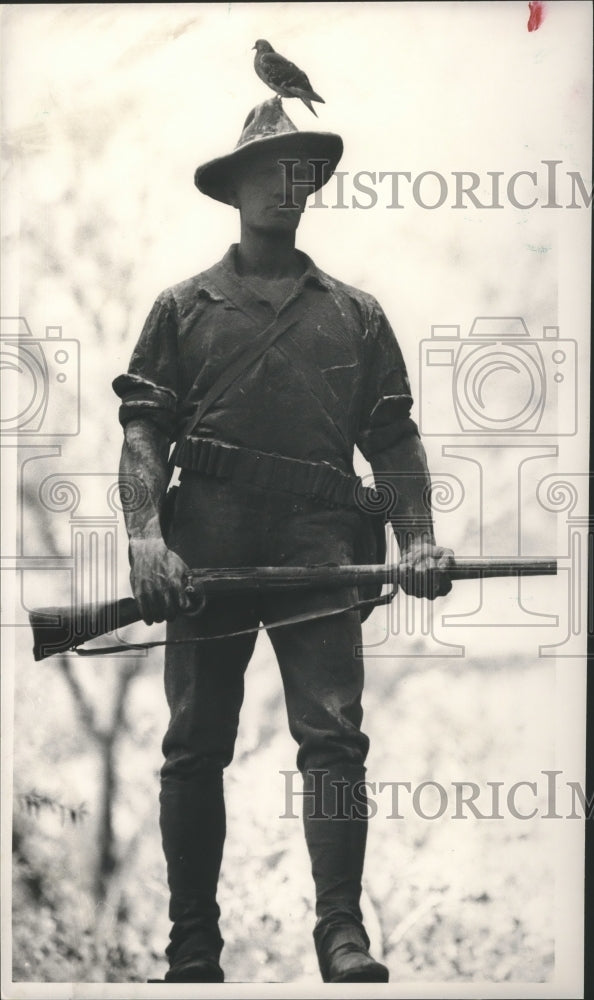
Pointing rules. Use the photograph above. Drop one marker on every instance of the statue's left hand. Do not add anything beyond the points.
(424, 570)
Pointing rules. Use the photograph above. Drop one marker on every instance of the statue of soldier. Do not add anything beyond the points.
(265, 448)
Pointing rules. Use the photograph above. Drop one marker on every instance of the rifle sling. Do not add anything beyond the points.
(279, 623)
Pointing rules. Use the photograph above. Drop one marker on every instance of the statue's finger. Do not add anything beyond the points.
(420, 582)
(431, 584)
(446, 560)
(145, 609)
(405, 578)
(443, 584)
(156, 604)
(169, 606)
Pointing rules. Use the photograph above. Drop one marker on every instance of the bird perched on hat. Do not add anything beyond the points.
(269, 129)
(282, 76)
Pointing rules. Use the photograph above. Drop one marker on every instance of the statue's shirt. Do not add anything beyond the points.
(334, 380)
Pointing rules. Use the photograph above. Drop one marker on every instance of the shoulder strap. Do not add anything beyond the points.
(245, 360)
(239, 296)
(312, 378)
(318, 387)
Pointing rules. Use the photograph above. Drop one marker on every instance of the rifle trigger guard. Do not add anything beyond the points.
(197, 596)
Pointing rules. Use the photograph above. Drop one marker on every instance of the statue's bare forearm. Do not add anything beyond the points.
(424, 566)
(144, 462)
(404, 464)
(157, 575)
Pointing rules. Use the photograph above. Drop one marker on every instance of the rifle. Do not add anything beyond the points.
(63, 629)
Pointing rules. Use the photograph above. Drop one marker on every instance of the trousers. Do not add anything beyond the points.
(217, 523)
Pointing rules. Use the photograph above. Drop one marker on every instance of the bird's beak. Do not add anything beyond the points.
(253, 46)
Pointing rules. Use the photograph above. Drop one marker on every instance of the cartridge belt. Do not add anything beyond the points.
(316, 480)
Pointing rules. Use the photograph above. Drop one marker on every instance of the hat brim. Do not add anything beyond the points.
(213, 178)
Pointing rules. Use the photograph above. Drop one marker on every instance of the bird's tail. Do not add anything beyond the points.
(309, 105)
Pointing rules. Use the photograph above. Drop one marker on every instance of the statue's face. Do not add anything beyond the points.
(269, 194)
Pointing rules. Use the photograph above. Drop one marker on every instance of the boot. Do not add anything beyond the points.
(206, 970)
(335, 822)
(343, 955)
(196, 972)
(194, 952)
(193, 833)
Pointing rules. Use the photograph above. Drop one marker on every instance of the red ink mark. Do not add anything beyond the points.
(536, 15)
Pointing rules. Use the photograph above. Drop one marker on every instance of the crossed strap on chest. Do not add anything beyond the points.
(231, 373)
(245, 360)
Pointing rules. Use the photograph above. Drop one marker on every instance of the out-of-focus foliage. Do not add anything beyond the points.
(446, 899)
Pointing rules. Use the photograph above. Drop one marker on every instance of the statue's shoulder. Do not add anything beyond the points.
(186, 293)
(363, 301)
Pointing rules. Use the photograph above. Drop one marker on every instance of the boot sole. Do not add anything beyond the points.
(378, 975)
(196, 972)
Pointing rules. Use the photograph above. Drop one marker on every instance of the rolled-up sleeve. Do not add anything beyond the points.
(149, 389)
(387, 400)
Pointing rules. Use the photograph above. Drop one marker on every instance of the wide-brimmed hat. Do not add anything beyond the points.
(268, 128)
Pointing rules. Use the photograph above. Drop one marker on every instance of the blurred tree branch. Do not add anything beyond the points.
(76, 241)
(105, 737)
(35, 802)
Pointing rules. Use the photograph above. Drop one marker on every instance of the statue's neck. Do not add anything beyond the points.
(268, 254)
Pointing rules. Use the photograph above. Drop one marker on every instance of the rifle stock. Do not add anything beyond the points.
(57, 630)
(60, 629)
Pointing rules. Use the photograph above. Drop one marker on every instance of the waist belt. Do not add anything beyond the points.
(317, 480)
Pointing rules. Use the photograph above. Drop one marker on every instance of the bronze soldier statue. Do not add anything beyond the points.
(266, 372)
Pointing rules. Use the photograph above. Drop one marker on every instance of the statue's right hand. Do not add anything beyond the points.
(158, 580)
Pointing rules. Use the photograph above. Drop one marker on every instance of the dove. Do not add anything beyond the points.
(283, 76)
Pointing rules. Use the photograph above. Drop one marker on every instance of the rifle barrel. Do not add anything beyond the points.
(57, 630)
(266, 578)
